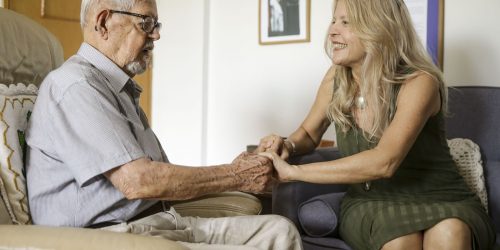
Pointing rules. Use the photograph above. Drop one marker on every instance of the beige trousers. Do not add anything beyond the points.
(265, 232)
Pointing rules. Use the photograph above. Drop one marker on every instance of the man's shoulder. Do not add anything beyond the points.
(76, 71)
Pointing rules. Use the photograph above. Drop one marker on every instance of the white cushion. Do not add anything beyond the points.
(16, 102)
(5, 217)
(467, 156)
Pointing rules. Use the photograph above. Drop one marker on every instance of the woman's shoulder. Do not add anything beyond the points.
(422, 89)
(420, 81)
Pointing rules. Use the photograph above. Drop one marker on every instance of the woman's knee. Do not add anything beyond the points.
(410, 241)
(449, 229)
(450, 233)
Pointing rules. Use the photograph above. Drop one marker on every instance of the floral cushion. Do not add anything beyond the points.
(16, 103)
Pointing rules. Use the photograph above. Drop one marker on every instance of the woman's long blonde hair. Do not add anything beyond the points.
(394, 54)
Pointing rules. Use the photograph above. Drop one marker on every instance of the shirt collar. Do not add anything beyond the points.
(116, 76)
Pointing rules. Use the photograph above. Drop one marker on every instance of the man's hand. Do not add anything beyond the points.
(253, 171)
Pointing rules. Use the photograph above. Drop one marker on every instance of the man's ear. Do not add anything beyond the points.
(100, 23)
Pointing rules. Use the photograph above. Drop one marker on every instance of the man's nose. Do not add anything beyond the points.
(155, 34)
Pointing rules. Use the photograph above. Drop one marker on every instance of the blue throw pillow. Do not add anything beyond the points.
(319, 216)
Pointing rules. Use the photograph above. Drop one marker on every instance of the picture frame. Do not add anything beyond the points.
(435, 31)
(428, 18)
(284, 21)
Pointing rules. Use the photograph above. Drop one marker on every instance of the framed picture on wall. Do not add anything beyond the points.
(428, 16)
(284, 21)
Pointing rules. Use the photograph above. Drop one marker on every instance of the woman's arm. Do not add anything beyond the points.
(308, 135)
(418, 100)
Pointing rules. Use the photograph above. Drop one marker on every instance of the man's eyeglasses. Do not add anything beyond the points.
(148, 24)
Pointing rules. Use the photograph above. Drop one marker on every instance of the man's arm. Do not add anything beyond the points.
(146, 179)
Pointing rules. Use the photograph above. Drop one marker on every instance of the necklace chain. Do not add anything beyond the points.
(361, 104)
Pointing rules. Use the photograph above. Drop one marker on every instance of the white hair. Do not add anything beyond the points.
(88, 5)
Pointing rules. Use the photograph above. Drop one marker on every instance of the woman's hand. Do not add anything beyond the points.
(274, 144)
(284, 171)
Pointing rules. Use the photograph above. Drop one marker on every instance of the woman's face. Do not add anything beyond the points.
(347, 48)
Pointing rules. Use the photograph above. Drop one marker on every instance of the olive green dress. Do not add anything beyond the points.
(425, 190)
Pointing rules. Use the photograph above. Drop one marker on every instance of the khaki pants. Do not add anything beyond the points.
(266, 232)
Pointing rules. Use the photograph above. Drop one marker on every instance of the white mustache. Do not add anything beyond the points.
(149, 45)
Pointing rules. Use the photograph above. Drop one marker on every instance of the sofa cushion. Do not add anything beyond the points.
(319, 216)
(16, 103)
(28, 51)
(467, 156)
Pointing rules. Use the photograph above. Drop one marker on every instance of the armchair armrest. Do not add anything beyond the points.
(60, 238)
(219, 205)
(288, 196)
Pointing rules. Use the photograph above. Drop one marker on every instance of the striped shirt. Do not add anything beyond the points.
(84, 124)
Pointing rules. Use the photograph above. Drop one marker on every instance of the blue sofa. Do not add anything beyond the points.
(474, 114)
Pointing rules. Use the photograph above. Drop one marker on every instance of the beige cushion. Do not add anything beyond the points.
(16, 103)
(467, 156)
(219, 205)
(28, 51)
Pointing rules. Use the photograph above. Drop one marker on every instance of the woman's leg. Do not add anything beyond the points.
(448, 234)
(410, 241)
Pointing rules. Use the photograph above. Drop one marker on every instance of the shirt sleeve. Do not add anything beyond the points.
(92, 136)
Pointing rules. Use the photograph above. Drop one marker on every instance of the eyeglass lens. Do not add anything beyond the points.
(149, 24)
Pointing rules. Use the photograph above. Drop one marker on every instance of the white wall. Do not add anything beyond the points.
(253, 89)
(471, 39)
(215, 89)
(178, 79)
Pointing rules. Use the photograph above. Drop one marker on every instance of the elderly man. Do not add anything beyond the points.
(94, 162)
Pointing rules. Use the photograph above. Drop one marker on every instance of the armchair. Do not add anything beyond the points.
(474, 113)
(28, 52)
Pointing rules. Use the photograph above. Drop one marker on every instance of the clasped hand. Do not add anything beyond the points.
(254, 172)
(274, 148)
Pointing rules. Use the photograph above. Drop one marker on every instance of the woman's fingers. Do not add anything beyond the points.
(270, 143)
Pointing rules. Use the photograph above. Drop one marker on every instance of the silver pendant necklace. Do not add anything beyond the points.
(360, 102)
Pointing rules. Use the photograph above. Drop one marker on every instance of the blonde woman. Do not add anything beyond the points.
(387, 101)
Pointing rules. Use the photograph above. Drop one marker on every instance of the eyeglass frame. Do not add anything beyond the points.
(156, 24)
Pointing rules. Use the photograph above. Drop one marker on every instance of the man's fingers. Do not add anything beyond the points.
(284, 155)
(267, 154)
